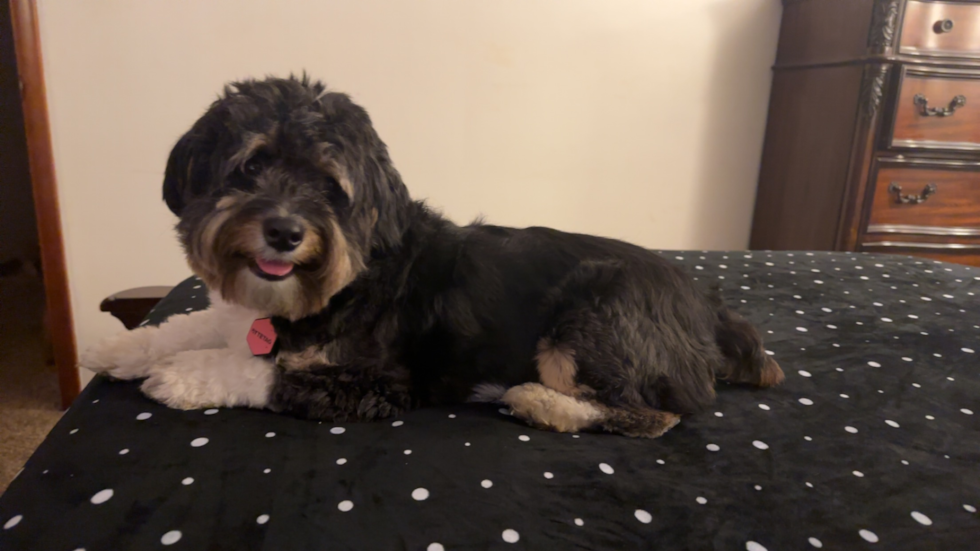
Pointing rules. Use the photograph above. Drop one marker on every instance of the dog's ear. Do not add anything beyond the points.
(187, 173)
(387, 199)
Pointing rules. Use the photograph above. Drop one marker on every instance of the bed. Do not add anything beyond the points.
(873, 442)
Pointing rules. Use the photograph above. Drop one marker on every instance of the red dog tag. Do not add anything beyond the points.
(261, 337)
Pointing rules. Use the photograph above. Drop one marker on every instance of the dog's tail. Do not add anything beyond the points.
(746, 360)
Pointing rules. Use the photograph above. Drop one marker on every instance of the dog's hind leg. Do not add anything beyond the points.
(621, 355)
(546, 408)
(746, 360)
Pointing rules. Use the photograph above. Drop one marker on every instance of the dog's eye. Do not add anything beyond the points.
(252, 167)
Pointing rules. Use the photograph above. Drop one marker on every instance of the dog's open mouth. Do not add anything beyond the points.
(271, 270)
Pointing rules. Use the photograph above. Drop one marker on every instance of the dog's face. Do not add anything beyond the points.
(283, 191)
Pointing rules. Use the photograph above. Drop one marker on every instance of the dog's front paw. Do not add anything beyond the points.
(123, 356)
(198, 379)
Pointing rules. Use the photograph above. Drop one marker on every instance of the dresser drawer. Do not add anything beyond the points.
(937, 109)
(941, 29)
(926, 201)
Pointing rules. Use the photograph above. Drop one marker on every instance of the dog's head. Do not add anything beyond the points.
(283, 191)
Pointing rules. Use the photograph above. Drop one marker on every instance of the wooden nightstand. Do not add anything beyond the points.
(132, 305)
(873, 136)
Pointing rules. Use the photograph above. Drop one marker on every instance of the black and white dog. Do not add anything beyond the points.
(290, 208)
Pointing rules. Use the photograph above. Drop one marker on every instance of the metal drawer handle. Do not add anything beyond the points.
(928, 191)
(943, 26)
(926, 111)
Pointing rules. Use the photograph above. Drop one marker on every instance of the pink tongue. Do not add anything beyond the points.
(274, 268)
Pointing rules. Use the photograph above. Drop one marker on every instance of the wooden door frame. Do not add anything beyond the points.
(37, 127)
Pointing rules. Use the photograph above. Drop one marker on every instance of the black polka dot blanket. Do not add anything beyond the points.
(873, 442)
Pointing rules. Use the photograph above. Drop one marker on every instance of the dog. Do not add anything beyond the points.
(290, 208)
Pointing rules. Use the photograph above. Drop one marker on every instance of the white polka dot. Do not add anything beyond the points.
(967, 350)
(891, 423)
(719, 414)
(101, 497)
(886, 320)
(452, 415)
(808, 485)
(337, 430)
(970, 508)
(523, 438)
(211, 411)
(262, 519)
(851, 430)
(486, 484)
(171, 537)
(187, 481)
(124, 451)
(15, 520)
(660, 462)
(579, 522)
(270, 434)
(921, 519)
(198, 442)
(266, 471)
(801, 329)
(345, 505)
(144, 416)
(770, 352)
(713, 447)
(397, 423)
(753, 546)
(549, 475)
(858, 474)
(511, 536)
(904, 462)
(758, 488)
(874, 364)
(604, 467)
(467, 444)
(701, 500)
(504, 411)
(916, 385)
(804, 373)
(764, 407)
(643, 516)
(845, 396)
(72, 431)
(806, 401)
(435, 547)
(930, 417)
(868, 536)
(760, 444)
(420, 494)
(341, 461)
(407, 452)
(966, 411)
(808, 439)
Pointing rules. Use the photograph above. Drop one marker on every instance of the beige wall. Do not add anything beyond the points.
(641, 120)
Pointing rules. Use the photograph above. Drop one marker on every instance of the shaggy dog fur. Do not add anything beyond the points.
(290, 208)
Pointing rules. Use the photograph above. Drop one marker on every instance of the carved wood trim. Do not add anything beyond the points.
(873, 88)
(884, 21)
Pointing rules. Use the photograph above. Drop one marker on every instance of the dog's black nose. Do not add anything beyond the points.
(282, 234)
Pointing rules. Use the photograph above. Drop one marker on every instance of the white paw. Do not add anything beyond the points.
(198, 379)
(123, 356)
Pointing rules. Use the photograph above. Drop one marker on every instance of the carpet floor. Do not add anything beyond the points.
(29, 399)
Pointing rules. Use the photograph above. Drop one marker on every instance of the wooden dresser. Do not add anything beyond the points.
(873, 136)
